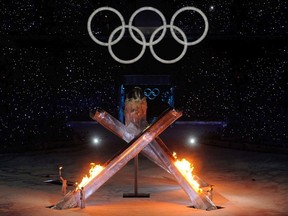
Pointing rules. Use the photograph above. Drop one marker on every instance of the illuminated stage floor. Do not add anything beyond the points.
(246, 183)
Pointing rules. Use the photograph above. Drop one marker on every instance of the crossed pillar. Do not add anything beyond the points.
(151, 146)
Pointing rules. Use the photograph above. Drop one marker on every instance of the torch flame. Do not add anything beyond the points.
(184, 166)
(93, 172)
(186, 169)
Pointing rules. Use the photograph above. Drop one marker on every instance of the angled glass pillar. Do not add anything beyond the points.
(72, 199)
(158, 152)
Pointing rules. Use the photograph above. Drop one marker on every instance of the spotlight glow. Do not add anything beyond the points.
(192, 141)
(96, 140)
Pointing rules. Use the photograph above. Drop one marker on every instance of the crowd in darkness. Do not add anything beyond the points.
(50, 74)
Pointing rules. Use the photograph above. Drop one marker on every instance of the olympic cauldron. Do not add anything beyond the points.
(141, 138)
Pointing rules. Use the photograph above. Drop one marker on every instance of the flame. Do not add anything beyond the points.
(93, 172)
(184, 166)
(186, 169)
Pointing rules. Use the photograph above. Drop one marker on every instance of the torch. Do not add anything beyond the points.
(60, 174)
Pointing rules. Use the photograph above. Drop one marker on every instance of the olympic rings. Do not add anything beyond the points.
(143, 9)
(143, 41)
(173, 60)
(132, 60)
(90, 20)
(151, 94)
(205, 30)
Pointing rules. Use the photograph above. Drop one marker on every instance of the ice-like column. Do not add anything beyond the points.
(119, 129)
(199, 199)
(160, 154)
(72, 199)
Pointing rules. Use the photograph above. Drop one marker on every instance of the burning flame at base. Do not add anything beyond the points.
(186, 169)
(184, 166)
(93, 172)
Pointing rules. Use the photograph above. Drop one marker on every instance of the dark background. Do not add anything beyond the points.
(51, 72)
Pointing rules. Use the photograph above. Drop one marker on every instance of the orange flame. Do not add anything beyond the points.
(186, 169)
(93, 172)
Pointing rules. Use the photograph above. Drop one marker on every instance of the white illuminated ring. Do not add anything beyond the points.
(172, 60)
(145, 9)
(205, 21)
(143, 41)
(91, 33)
(132, 60)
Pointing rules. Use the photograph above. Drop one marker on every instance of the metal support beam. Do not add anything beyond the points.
(136, 194)
(72, 199)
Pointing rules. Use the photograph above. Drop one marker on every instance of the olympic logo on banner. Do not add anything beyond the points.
(152, 40)
(151, 93)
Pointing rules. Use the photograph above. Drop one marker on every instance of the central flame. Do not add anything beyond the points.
(93, 172)
(186, 169)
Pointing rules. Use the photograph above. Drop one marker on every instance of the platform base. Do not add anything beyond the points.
(136, 195)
